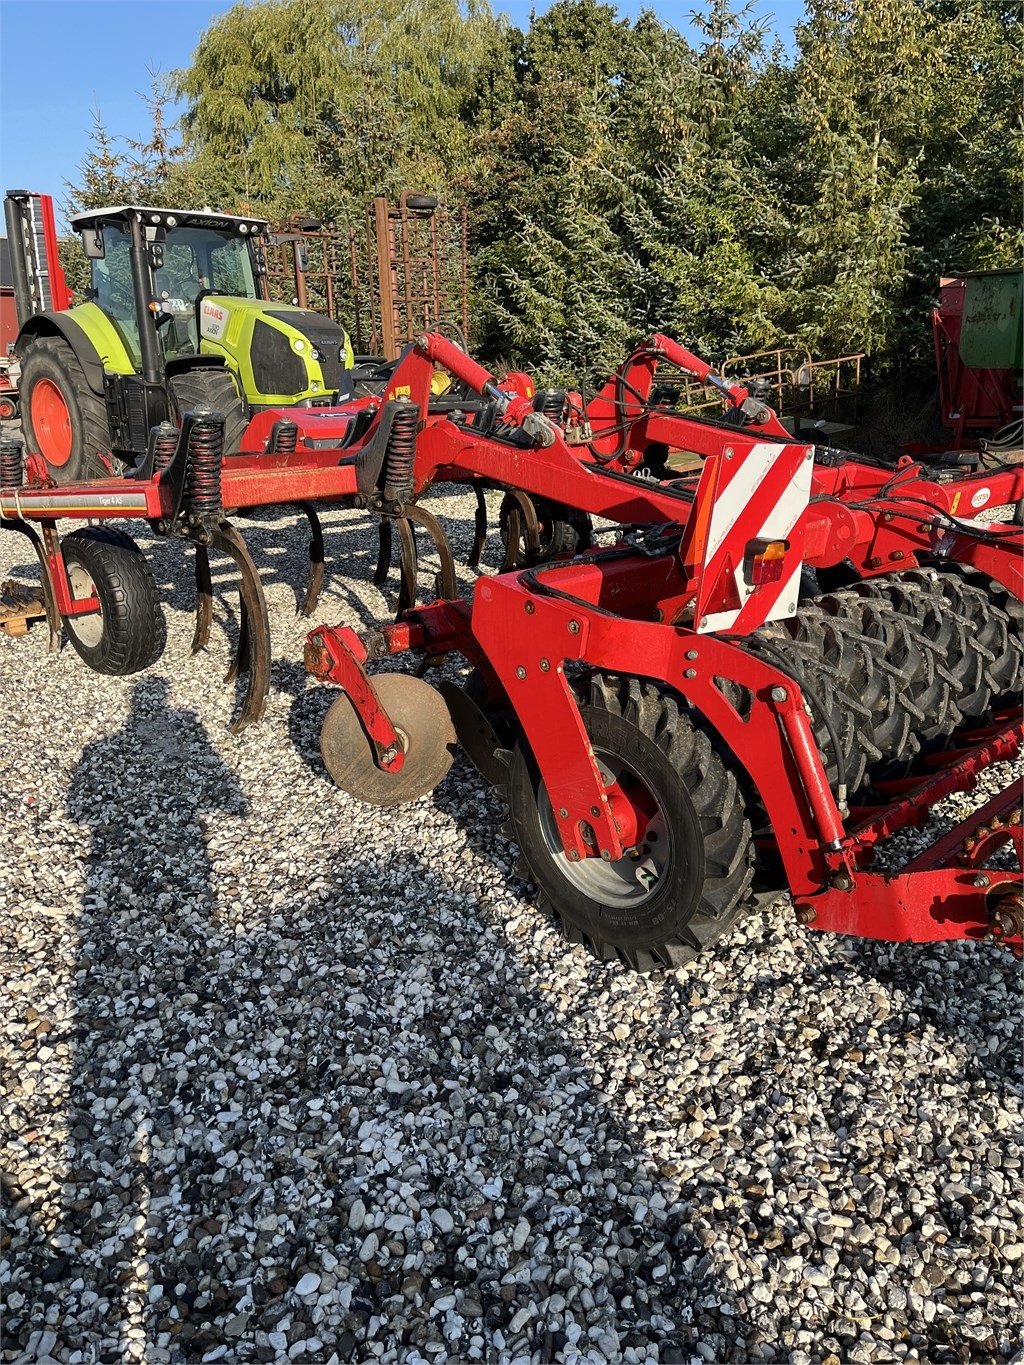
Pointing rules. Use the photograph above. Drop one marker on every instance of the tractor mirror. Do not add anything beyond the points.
(93, 245)
(301, 257)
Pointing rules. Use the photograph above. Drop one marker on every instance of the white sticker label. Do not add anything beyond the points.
(981, 497)
(212, 320)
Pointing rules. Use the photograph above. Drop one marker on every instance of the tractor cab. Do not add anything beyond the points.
(190, 255)
(177, 314)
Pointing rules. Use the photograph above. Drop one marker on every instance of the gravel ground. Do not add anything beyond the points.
(286, 1078)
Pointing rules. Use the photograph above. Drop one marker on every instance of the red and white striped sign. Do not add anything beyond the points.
(759, 495)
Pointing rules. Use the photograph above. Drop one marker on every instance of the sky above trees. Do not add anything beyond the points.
(99, 55)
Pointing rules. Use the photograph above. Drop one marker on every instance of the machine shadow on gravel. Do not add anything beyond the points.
(148, 795)
(391, 972)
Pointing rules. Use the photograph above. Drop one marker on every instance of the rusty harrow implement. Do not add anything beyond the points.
(787, 657)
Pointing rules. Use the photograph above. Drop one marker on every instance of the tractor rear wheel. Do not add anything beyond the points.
(127, 633)
(685, 882)
(61, 416)
(214, 387)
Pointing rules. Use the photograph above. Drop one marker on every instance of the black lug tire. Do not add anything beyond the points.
(703, 889)
(133, 632)
(213, 387)
(563, 530)
(982, 605)
(52, 358)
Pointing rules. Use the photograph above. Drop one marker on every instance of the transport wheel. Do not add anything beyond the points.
(684, 884)
(216, 388)
(562, 530)
(424, 728)
(8, 407)
(61, 416)
(127, 633)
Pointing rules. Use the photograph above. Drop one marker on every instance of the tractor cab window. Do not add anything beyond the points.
(195, 259)
(198, 259)
(112, 286)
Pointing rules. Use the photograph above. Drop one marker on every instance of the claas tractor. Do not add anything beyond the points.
(176, 317)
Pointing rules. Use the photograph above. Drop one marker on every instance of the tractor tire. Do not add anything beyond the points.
(215, 388)
(563, 531)
(687, 884)
(127, 633)
(63, 420)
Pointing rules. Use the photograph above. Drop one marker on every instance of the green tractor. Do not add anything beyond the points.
(177, 314)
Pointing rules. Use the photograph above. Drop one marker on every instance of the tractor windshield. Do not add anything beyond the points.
(194, 259)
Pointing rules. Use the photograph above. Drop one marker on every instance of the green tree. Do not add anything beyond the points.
(866, 88)
(697, 215)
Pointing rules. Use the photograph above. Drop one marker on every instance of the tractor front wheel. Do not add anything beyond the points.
(213, 387)
(63, 420)
(685, 881)
(127, 633)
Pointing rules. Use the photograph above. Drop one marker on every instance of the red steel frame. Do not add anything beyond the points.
(634, 612)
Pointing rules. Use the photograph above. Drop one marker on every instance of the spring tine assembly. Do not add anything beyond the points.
(204, 599)
(315, 582)
(522, 516)
(380, 573)
(446, 586)
(407, 565)
(479, 530)
(253, 653)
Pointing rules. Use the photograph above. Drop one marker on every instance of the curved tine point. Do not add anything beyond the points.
(53, 620)
(512, 544)
(204, 600)
(316, 560)
(380, 574)
(255, 626)
(531, 525)
(240, 659)
(479, 530)
(446, 586)
(407, 566)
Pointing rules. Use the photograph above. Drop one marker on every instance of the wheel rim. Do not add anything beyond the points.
(632, 880)
(51, 422)
(88, 630)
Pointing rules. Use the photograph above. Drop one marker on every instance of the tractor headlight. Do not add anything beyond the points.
(298, 344)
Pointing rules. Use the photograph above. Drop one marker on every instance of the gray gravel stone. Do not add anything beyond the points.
(283, 1077)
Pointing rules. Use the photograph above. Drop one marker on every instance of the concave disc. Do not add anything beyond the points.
(425, 732)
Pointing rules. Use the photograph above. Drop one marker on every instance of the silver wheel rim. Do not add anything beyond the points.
(87, 630)
(634, 878)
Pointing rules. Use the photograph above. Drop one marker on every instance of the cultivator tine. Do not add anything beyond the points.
(446, 586)
(512, 542)
(380, 573)
(316, 559)
(408, 567)
(253, 653)
(479, 530)
(49, 596)
(522, 521)
(204, 600)
(240, 661)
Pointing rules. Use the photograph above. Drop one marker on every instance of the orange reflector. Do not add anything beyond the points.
(766, 560)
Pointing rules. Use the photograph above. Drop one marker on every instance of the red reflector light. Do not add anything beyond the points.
(767, 560)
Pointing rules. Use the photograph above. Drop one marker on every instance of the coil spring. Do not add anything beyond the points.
(401, 452)
(284, 437)
(12, 463)
(163, 440)
(552, 403)
(205, 457)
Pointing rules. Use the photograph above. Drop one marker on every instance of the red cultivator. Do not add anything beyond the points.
(789, 655)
